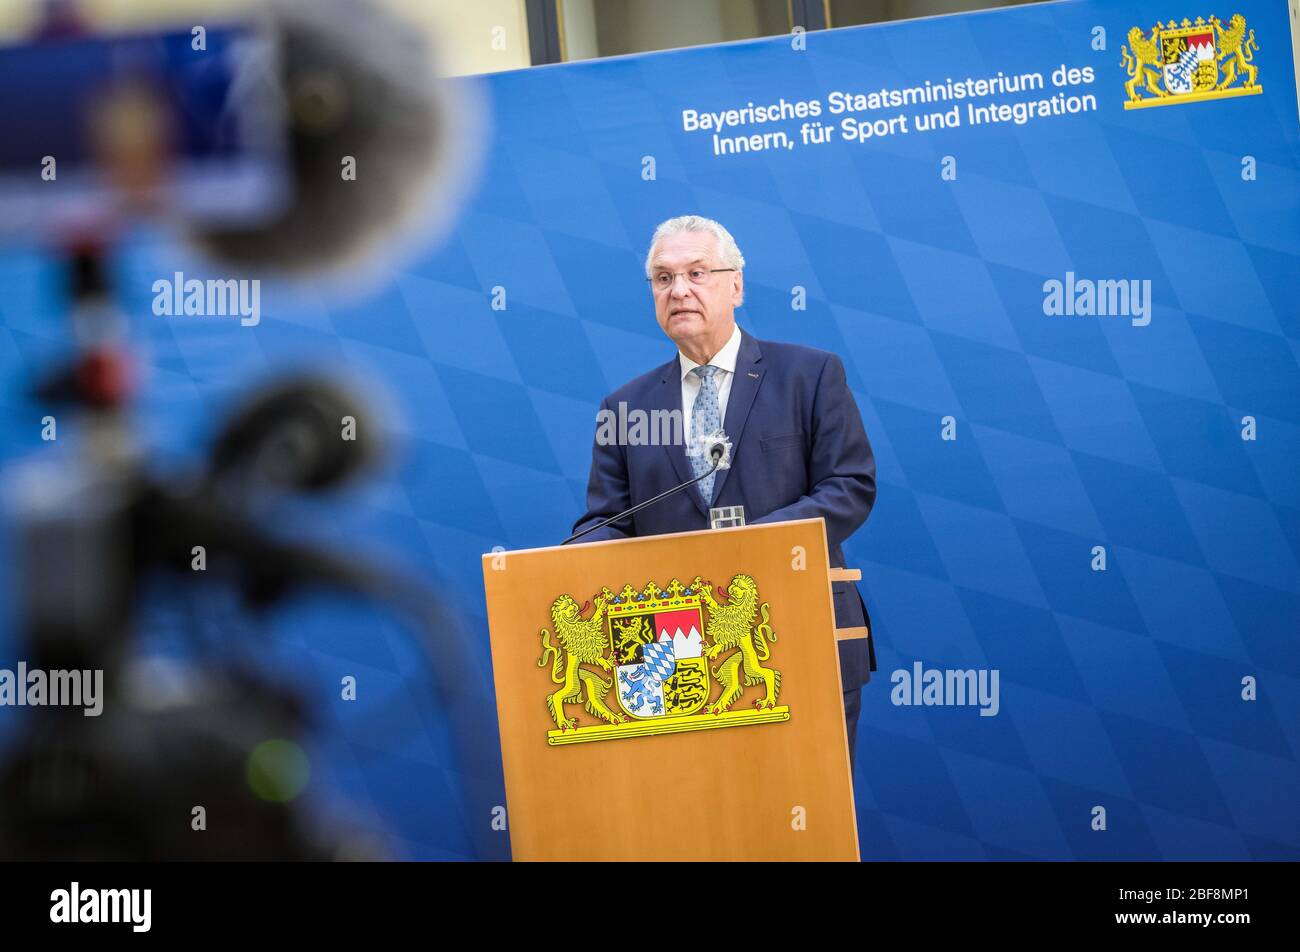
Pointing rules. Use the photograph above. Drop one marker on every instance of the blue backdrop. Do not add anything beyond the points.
(1120, 688)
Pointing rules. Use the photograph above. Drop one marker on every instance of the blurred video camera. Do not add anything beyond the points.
(237, 134)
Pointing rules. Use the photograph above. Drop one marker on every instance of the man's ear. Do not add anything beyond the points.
(738, 289)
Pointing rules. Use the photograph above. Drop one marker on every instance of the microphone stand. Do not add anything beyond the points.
(717, 461)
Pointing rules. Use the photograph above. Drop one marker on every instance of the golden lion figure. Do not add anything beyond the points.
(731, 626)
(1235, 51)
(1144, 64)
(582, 640)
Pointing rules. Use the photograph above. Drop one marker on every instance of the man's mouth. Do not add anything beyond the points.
(682, 312)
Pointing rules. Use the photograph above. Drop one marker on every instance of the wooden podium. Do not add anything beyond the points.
(672, 697)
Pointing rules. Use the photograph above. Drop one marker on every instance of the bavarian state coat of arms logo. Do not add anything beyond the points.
(1190, 61)
(661, 661)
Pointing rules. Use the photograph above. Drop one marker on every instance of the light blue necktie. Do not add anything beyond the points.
(706, 418)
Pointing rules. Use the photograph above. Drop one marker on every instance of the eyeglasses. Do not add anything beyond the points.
(663, 280)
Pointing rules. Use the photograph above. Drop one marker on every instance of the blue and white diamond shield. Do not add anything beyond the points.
(641, 686)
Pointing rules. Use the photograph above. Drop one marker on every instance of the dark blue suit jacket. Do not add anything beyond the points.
(799, 451)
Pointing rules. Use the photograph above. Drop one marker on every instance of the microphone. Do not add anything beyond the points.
(288, 436)
(717, 452)
(353, 82)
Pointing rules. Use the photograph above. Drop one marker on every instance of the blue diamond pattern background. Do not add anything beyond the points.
(1119, 688)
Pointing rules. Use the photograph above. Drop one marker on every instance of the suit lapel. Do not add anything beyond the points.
(744, 388)
(668, 396)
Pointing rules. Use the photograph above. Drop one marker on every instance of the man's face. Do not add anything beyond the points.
(698, 317)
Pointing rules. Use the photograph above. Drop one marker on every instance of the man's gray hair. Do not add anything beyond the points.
(728, 251)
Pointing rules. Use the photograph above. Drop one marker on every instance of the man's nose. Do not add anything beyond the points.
(681, 287)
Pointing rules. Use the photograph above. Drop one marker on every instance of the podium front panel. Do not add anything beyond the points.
(672, 697)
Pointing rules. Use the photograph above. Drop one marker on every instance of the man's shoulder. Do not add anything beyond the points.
(639, 386)
(784, 352)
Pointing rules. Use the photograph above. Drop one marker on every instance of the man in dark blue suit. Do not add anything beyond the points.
(798, 446)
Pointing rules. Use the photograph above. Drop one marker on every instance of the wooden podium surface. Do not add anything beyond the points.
(750, 783)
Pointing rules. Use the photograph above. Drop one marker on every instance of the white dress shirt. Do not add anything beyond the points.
(725, 361)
